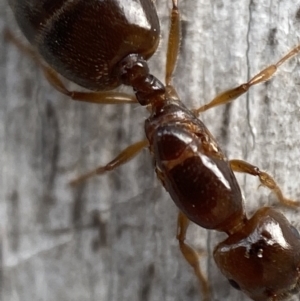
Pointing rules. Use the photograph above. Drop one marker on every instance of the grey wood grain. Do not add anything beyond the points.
(114, 238)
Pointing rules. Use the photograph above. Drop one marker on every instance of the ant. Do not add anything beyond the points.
(188, 160)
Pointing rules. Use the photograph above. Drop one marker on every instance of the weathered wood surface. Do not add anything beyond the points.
(51, 248)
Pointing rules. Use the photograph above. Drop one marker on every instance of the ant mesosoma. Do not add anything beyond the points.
(261, 255)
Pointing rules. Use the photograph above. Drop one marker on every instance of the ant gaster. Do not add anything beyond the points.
(103, 44)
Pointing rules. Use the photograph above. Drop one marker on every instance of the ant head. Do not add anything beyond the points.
(262, 258)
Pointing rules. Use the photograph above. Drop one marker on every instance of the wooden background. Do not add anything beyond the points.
(114, 238)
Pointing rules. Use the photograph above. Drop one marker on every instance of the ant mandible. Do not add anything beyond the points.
(260, 255)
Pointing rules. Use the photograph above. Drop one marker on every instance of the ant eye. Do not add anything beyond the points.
(234, 284)
(295, 231)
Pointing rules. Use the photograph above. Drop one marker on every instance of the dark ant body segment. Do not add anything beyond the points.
(261, 255)
(62, 32)
(193, 168)
(266, 245)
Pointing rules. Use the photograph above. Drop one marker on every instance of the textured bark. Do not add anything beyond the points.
(52, 247)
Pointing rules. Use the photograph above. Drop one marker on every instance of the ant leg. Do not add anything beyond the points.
(54, 79)
(190, 255)
(173, 42)
(264, 75)
(92, 97)
(126, 155)
(265, 180)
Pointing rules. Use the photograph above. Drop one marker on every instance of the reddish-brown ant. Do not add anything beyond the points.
(188, 160)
